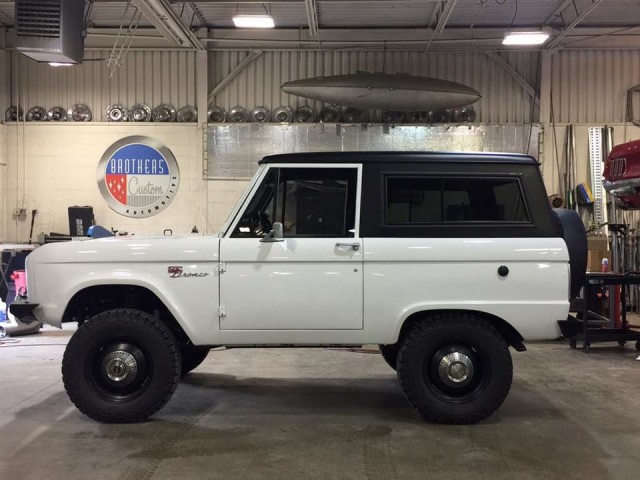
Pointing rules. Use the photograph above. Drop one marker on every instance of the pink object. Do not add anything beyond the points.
(19, 277)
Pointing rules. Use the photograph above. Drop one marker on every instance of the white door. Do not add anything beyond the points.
(311, 279)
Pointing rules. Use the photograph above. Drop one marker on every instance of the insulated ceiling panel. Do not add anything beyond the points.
(285, 15)
(385, 14)
(110, 14)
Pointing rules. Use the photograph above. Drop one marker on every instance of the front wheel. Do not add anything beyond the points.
(192, 356)
(121, 366)
(455, 368)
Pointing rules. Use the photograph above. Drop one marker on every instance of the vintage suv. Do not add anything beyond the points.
(443, 259)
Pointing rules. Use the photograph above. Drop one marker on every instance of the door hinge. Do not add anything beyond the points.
(222, 267)
(222, 311)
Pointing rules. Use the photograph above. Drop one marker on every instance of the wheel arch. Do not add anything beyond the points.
(509, 333)
(92, 300)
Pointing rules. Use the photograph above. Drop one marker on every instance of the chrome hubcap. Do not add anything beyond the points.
(455, 369)
(120, 367)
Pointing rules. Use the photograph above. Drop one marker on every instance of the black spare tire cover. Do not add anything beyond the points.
(575, 236)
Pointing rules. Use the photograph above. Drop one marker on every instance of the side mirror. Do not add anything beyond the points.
(275, 235)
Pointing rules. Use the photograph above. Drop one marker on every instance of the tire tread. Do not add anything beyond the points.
(411, 343)
(114, 318)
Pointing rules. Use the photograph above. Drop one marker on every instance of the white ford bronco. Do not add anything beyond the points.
(443, 259)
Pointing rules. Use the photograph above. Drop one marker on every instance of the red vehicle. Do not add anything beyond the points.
(622, 175)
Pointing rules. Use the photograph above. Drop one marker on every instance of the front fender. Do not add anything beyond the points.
(192, 300)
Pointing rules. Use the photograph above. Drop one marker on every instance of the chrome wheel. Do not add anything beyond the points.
(120, 371)
(456, 369)
(455, 372)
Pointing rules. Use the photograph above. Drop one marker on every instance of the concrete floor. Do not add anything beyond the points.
(325, 414)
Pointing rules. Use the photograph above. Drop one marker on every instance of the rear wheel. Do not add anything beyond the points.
(192, 356)
(390, 354)
(455, 368)
(121, 366)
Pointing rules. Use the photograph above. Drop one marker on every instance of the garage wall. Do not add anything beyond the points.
(591, 86)
(151, 77)
(3, 183)
(503, 99)
(4, 82)
(53, 166)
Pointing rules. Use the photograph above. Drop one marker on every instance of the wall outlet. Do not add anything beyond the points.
(20, 214)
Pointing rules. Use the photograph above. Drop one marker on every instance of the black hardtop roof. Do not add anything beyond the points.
(410, 157)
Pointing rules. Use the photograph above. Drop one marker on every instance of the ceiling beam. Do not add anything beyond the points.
(312, 17)
(558, 38)
(192, 13)
(233, 74)
(558, 11)
(513, 73)
(168, 23)
(443, 18)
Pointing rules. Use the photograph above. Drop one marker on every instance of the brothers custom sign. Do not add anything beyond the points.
(138, 176)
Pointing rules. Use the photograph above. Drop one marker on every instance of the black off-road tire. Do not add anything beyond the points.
(390, 354)
(421, 358)
(101, 342)
(192, 356)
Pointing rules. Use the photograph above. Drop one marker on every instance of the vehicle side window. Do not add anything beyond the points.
(421, 200)
(257, 219)
(317, 202)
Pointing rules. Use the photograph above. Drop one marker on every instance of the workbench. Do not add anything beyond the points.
(610, 333)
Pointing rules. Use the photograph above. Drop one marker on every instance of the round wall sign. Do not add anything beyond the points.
(138, 176)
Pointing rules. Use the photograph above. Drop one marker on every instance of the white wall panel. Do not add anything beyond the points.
(151, 77)
(591, 86)
(3, 184)
(503, 100)
(52, 166)
(4, 82)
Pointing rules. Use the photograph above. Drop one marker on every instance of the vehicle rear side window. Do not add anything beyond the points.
(424, 200)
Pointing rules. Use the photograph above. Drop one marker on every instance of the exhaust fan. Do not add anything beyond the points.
(50, 30)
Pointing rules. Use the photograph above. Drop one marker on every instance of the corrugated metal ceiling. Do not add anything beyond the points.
(349, 15)
(383, 13)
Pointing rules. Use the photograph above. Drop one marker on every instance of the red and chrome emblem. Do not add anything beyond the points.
(175, 271)
(138, 176)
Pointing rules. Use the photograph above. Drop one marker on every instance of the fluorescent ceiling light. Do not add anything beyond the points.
(61, 64)
(537, 37)
(253, 21)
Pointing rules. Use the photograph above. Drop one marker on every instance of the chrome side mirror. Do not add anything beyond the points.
(275, 235)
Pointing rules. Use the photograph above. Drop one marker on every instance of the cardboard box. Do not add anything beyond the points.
(594, 260)
(598, 243)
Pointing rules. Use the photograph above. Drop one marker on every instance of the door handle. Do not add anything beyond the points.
(355, 246)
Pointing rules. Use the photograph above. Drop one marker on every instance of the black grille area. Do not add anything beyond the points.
(40, 18)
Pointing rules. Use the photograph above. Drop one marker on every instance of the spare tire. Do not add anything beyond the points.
(575, 236)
